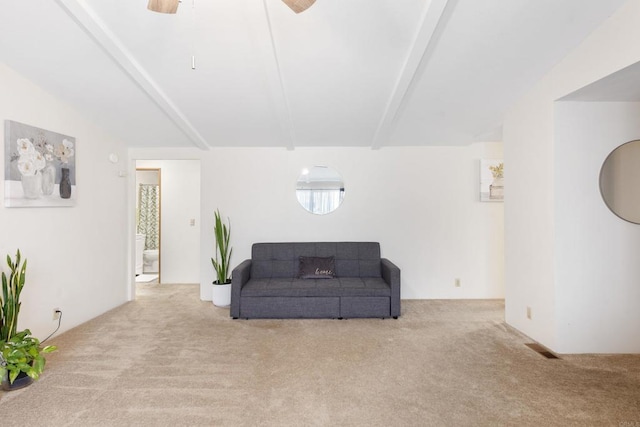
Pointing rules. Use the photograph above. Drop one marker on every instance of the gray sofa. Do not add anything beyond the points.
(268, 286)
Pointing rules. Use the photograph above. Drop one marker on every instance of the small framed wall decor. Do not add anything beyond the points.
(491, 180)
(39, 167)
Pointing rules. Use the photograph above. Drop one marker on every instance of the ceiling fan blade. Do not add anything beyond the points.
(299, 5)
(163, 6)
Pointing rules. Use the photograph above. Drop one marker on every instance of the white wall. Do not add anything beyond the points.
(77, 256)
(180, 203)
(150, 177)
(531, 233)
(597, 268)
(528, 222)
(421, 204)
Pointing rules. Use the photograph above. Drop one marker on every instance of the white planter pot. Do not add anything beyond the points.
(221, 296)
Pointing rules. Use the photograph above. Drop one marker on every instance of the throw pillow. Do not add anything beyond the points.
(316, 268)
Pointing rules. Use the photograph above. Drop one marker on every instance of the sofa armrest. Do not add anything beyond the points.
(239, 276)
(391, 275)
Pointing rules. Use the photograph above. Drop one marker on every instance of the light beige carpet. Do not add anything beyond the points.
(170, 359)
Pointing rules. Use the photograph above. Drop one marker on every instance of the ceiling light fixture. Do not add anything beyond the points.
(163, 6)
(299, 5)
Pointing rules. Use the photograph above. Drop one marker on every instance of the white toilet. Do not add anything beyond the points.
(139, 253)
(151, 258)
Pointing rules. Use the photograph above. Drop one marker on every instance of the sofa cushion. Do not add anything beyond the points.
(311, 267)
(280, 260)
(293, 287)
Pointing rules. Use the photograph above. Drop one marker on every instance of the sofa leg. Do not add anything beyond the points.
(340, 318)
(234, 318)
(395, 317)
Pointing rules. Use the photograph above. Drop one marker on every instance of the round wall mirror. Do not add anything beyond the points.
(320, 190)
(620, 181)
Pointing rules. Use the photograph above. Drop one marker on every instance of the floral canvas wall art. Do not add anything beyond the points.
(491, 180)
(40, 167)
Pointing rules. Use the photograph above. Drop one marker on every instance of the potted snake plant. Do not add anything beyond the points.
(221, 295)
(21, 355)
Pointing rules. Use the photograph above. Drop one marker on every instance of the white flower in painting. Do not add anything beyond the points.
(39, 161)
(68, 145)
(30, 161)
(25, 146)
(48, 152)
(26, 166)
(64, 151)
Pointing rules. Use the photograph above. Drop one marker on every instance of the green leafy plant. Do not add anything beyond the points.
(22, 353)
(221, 263)
(19, 351)
(10, 303)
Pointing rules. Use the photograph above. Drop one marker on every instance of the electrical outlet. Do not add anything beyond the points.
(528, 312)
(457, 282)
(56, 313)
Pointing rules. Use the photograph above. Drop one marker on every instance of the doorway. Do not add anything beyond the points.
(148, 225)
(179, 183)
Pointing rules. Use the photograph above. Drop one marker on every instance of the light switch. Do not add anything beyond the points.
(192, 222)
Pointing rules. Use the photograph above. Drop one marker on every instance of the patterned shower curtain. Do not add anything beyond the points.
(149, 214)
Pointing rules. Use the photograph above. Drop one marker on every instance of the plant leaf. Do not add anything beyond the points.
(13, 374)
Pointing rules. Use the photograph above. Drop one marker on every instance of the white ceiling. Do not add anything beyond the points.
(369, 73)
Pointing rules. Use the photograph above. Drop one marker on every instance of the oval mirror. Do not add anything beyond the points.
(320, 190)
(620, 181)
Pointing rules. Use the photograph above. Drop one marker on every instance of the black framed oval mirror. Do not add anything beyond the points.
(620, 181)
(319, 190)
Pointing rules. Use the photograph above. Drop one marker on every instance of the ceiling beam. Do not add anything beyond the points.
(260, 23)
(432, 24)
(89, 21)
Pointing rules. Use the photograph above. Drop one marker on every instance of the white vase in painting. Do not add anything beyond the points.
(496, 189)
(48, 179)
(32, 185)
